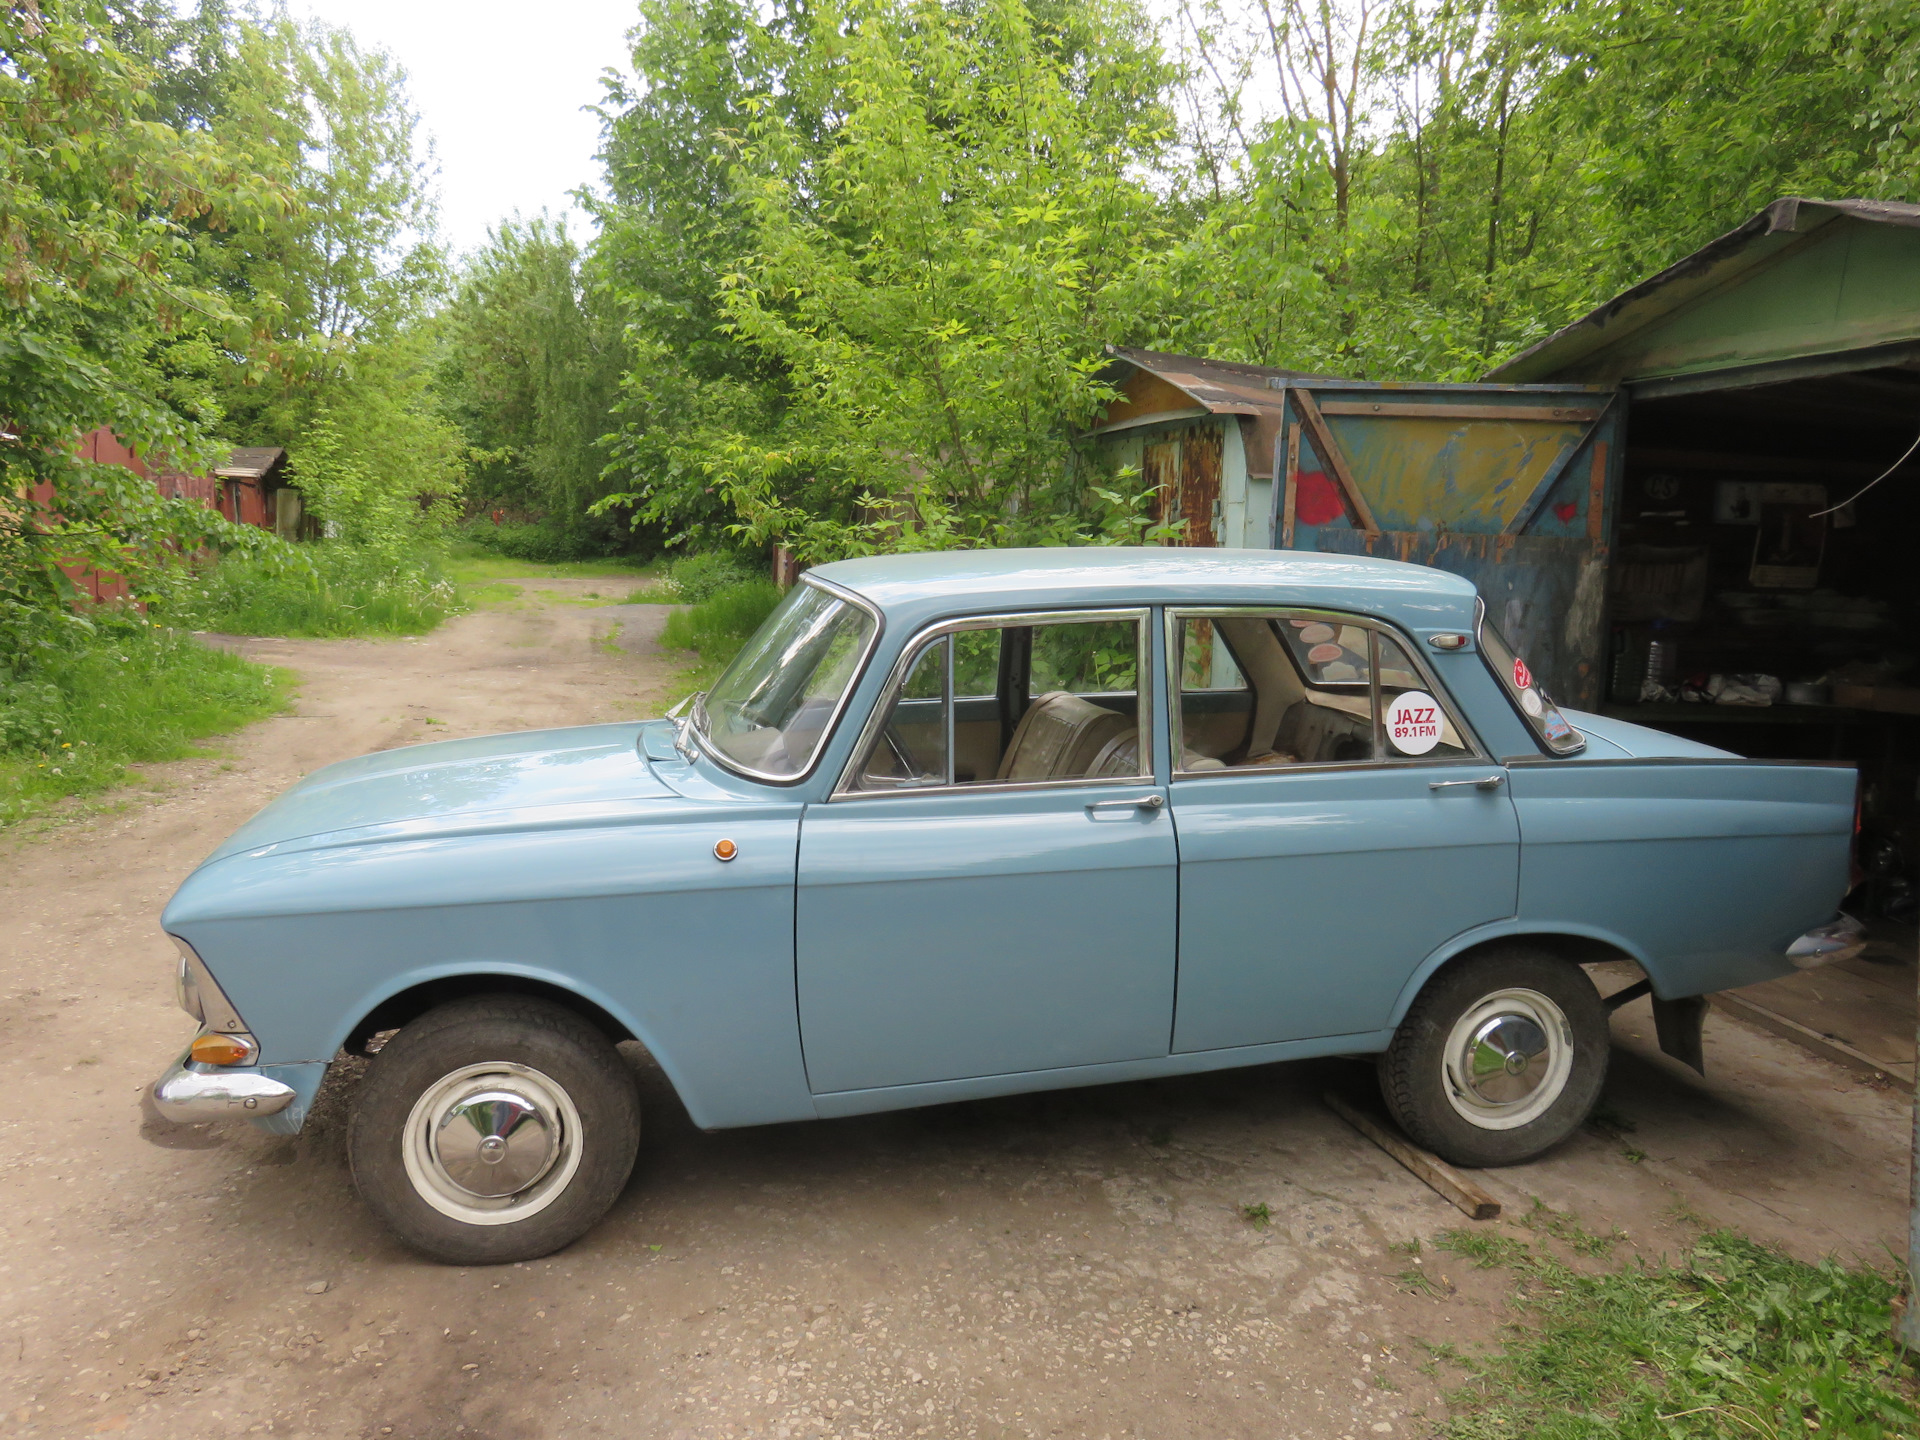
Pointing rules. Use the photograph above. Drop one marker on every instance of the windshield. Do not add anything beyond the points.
(1524, 690)
(771, 709)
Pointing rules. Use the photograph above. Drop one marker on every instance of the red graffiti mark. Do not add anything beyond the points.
(1316, 500)
(1522, 677)
(1565, 513)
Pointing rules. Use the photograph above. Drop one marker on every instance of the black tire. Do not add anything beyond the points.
(478, 1060)
(1467, 1119)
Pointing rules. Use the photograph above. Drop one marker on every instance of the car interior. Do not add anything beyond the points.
(1061, 701)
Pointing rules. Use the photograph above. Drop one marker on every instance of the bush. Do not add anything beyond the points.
(697, 578)
(553, 540)
(89, 697)
(330, 589)
(719, 625)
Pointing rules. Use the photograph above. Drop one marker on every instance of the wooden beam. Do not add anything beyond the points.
(1597, 496)
(1333, 458)
(1291, 497)
(1439, 1176)
(1387, 410)
(1825, 1046)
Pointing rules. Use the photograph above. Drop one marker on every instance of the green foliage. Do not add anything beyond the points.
(81, 700)
(719, 625)
(528, 368)
(331, 589)
(695, 578)
(1737, 1340)
(922, 211)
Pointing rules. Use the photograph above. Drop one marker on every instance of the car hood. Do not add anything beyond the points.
(1610, 739)
(439, 786)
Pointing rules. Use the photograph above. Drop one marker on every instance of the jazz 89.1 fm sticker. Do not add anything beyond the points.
(1413, 723)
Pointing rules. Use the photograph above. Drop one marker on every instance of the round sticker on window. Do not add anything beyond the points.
(1522, 677)
(1314, 632)
(1325, 654)
(1413, 723)
(1530, 701)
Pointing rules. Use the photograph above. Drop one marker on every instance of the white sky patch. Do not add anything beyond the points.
(500, 89)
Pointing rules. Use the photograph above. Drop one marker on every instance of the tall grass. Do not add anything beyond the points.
(719, 625)
(86, 699)
(329, 589)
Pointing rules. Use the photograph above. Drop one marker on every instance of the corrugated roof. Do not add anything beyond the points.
(1221, 386)
(250, 462)
(1712, 266)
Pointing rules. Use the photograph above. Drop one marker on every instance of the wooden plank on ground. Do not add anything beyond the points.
(1825, 1046)
(1439, 1176)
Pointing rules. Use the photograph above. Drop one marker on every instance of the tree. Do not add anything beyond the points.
(98, 205)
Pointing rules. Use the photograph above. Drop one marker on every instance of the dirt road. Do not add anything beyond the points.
(1076, 1264)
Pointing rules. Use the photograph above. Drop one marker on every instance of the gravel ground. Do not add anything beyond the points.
(1072, 1264)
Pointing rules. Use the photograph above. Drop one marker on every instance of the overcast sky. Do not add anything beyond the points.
(499, 88)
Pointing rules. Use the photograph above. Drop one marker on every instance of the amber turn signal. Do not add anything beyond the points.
(222, 1050)
(725, 850)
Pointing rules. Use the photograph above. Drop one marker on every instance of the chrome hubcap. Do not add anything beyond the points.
(1508, 1058)
(495, 1143)
(491, 1144)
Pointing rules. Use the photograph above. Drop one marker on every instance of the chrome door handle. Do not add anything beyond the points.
(1485, 782)
(1145, 802)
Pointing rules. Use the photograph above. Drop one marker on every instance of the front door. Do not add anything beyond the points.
(1337, 824)
(992, 890)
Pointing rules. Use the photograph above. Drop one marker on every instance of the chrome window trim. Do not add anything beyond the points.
(1500, 683)
(1374, 627)
(1143, 705)
(712, 752)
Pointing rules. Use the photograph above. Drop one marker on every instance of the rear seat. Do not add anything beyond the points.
(1060, 738)
(1319, 735)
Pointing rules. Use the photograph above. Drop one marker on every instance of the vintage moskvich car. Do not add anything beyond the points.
(972, 824)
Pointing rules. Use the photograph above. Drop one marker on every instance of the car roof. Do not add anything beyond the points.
(915, 589)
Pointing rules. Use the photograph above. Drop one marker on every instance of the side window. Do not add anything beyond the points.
(1049, 700)
(1259, 692)
(1413, 720)
(911, 748)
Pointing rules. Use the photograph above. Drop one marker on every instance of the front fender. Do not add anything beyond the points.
(692, 955)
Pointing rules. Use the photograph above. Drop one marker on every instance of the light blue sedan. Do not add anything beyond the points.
(971, 824)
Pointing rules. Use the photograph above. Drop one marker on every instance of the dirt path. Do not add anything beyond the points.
(1074, 1264)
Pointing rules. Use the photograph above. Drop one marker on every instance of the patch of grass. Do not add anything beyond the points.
(1568, 1230)
(327, 589)
(124, 691)
(1738, 1340)
(1485, 1248)
(472, 564)
(1259, 1216)
(717, 627)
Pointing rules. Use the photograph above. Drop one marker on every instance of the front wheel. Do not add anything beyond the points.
(1500, 1058)
(494, 1129)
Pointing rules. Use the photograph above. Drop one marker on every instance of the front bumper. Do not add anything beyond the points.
(189, 1093)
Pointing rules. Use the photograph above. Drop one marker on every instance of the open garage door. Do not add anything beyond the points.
(1510, 486)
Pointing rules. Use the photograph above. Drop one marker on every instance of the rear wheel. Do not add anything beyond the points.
(494, 1129)
(1500, 1058)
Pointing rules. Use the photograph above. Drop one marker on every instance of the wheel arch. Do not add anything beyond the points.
(414, 1000)
(1580, 944)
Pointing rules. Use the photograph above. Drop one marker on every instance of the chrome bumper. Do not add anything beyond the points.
(1841, 938)
(189, 1093)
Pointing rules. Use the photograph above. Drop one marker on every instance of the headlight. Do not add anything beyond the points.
(201, 997)
(186, 985)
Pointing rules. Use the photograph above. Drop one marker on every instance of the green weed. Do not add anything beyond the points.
(1738, 1340)
(76, 711)
(1259, 1216)
(1568, 1231)
(327, 589)
(1485, 1248)
(718, 626)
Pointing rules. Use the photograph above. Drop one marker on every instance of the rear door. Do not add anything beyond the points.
(1323, 855)
(1510, 486)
